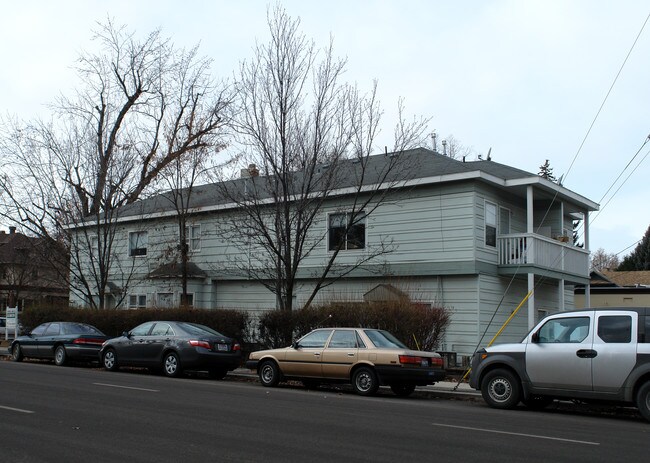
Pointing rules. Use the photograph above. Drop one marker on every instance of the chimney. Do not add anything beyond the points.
(250, 171)
(12, 230)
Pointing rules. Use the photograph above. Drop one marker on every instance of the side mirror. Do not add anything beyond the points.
(535, 337)
(126, 334)
(295, 345)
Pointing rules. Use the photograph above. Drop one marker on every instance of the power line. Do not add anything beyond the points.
(621, 185)
(606, 96)
(631, 245)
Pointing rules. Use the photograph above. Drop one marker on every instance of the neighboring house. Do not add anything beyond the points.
(474, 237)
(27, 273)
(610, 288)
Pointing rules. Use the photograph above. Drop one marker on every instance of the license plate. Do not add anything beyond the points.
(222, 347)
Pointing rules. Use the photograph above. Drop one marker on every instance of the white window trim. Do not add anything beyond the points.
(188, 237)
(485, 223)
(137, 304)
(128, 250)
(365, 231)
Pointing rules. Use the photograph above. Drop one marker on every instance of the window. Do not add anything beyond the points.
(53, 330)
(347, 232)
(193, 237)
(343, 339)
(137, 301)
(571, 329)
(93, 242)
(490, 224)
(138, 243)
(384, 339)
(315, 340)
(162, 329)
(615, 328)
(142, 330)
(39, 330)
(189, 299)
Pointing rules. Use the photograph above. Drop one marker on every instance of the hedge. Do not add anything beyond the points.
(232, 323)
(418, 326)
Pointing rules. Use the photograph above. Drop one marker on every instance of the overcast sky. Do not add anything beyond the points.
(524, 78)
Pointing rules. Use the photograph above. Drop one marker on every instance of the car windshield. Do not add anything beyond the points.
(79, 328)
(382, 338)
(198, 330)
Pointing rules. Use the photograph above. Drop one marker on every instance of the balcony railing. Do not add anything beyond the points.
(542, 252)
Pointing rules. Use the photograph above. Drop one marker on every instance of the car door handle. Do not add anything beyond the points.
(586, 353)
(317, 354)
(350, 354)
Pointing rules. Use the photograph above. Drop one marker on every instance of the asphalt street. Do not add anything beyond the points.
(54, 414)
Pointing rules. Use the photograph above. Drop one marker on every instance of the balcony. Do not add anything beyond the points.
(531, 253)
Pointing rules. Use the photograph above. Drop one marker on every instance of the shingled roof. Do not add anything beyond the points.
(628, 279)
(416, 164)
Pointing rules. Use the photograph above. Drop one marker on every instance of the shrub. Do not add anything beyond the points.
(417, 325)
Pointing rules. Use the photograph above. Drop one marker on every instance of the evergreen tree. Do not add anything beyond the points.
(639, 259)
(546, 171)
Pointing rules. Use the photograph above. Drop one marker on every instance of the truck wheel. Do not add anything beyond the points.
(643, 400)
(500, 389)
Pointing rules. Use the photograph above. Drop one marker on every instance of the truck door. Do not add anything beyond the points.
(559, 354)
(615, 344)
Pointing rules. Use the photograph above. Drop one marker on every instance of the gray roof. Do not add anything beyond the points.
(414, 164)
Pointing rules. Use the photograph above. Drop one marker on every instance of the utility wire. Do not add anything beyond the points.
(593, 122)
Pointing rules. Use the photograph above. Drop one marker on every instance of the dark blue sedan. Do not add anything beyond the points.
(60, 341)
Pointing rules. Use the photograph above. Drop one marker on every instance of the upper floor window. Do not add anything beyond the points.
(193, 237)
(490, 224)
(346, 231)
(138, 243)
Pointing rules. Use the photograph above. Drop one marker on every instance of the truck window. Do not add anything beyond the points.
(615, 328)
(570, 329)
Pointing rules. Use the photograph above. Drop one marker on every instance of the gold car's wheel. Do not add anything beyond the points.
(269, 373)
(364, 381)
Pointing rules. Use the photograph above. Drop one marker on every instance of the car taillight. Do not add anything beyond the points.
(436, 362)
(88, 341)
(236, 346)
(410, 359)
(204, 344)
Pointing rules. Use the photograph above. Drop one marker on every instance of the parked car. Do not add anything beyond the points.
(592, 355)
(3, 328)
(366, 358)
(173, 347)
(61, 341)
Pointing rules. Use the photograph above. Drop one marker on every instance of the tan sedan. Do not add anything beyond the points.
(366, 358)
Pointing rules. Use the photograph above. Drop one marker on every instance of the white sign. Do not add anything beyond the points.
(12, 317)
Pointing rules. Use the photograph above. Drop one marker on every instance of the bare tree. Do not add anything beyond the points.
(602, 260)
(141, 105)
(304, 135)
(455, 149)
(182, 176)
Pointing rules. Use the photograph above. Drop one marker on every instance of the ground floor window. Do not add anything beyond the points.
(137, 301)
